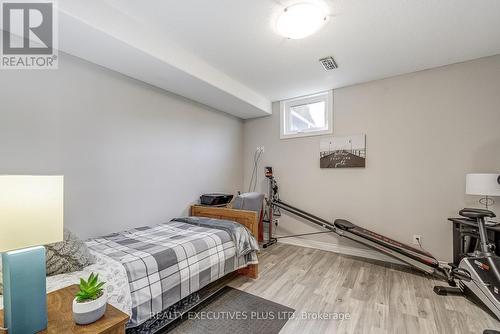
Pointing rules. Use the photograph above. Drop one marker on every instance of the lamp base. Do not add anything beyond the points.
(487, 201)
(25, 291)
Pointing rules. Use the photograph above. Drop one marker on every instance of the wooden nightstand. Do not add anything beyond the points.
(60, 314)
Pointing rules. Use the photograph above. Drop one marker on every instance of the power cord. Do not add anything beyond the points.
(253, 181)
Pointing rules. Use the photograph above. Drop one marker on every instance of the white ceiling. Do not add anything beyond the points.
(231, 45)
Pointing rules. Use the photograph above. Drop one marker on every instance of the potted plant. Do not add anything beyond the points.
(89, 304)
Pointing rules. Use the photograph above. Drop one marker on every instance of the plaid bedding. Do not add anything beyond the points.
(169, 261)
(242, 237)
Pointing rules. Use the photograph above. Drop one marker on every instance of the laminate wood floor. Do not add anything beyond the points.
(379, 297)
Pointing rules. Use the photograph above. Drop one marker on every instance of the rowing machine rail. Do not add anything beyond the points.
(413, 257)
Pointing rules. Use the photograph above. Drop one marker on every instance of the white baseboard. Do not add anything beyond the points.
(335, 248)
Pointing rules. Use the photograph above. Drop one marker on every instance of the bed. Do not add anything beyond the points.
(151, 269)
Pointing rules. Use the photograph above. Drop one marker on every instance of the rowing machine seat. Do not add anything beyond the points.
(476, 213)
(344, 224)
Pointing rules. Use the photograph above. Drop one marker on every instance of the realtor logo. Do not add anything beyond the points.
(29, 35)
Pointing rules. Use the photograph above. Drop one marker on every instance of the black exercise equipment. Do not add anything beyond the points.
(483, 267)
(273, 196)
(478, 274)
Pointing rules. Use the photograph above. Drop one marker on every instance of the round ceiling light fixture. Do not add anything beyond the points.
(301, 20)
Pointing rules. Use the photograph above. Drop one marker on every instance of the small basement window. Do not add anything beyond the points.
(307, 116)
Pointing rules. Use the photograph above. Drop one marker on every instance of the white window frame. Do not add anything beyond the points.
(285, 106)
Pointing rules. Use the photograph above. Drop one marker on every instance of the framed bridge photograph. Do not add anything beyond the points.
(343, 151)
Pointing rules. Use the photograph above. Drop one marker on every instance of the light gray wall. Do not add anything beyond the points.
(424, 130)
(131, 154)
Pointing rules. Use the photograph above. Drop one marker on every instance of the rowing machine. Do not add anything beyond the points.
(478, 275)
(414, 257)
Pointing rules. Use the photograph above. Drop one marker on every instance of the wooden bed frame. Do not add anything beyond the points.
(249, 219)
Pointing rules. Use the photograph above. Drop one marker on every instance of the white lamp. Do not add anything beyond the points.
(483, 185)
(31, 214)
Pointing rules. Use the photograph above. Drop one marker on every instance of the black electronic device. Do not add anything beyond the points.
(215, 199)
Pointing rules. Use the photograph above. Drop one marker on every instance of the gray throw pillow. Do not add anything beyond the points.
(67, 256)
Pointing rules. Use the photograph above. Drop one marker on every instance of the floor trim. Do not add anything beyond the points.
(335, 248)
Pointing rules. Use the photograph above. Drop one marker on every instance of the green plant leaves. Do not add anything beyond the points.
(90, 289)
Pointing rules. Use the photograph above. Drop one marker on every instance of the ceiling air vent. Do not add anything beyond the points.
(328, 63)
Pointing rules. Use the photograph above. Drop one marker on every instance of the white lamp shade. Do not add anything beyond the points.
(482, 184)
(31, 211)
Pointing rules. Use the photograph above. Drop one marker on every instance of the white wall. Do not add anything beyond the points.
(132, 155)
(424, 130)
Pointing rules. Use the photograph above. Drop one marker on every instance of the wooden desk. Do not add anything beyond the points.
(60, 313)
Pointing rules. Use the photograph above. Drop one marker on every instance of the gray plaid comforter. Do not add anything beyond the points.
(242, 237)
(167, 262)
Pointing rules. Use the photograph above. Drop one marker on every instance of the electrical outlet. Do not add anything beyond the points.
(260, 149)
(417, 239)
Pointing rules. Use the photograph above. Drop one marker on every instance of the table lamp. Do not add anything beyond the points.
(483, 185)
(31, 215)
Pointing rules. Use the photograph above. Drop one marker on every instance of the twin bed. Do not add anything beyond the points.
(150, 271)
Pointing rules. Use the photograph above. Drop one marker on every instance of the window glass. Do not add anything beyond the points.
(306, 116)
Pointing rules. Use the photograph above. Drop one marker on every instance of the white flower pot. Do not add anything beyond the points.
(88, 312)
